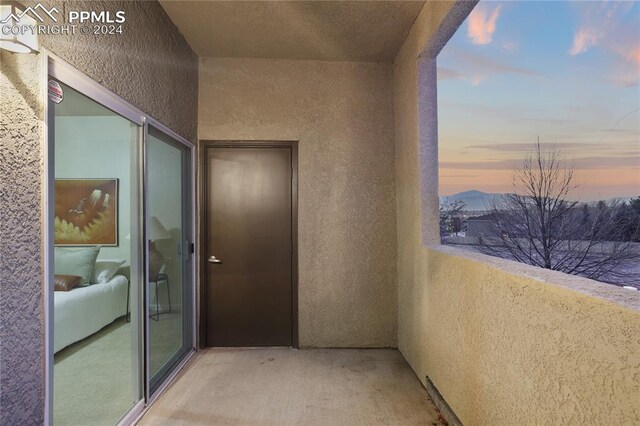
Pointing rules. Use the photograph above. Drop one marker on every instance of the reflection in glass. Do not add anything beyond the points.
(167, 200)
(97, 376)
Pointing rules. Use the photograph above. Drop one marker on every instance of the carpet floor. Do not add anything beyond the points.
(94, 379)
(165, 339)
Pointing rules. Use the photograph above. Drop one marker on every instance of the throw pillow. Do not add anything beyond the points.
(105, 269)
(76, 262)
(66, 282)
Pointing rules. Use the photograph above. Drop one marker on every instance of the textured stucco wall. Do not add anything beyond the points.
(412, 290)
(504, 343)
(506, 347)
(150, 66)
(21, 304)
(342, 115)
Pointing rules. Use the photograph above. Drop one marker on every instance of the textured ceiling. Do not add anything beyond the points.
(324, 30)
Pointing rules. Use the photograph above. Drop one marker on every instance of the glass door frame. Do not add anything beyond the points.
(153, 387)
(53, 66)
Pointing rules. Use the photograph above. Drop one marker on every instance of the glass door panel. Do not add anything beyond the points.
(97, 375)
(168, 292)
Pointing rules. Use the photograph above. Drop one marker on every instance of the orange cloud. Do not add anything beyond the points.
(482, 24)
(629, 50)
(634, 55)
(627, 67)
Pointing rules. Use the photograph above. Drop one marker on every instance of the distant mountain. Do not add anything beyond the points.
(473, 200)
(617, 200)
(478, 200)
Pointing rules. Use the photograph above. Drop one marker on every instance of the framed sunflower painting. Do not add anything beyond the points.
(86, 212)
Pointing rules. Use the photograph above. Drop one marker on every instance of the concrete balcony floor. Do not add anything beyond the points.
(279, 386)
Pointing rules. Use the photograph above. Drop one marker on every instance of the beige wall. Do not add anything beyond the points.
(504, 343)
(412, 291)
(342, 116)
(153, 69)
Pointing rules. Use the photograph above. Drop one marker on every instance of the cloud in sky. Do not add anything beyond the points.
(625, 43)
(625, 79)
(529, 147)
(487, 65)
(509, 46)
(621, 148)
(583, 40)
(595, 162)
(481, 23)
(598, 20)
(602, 24)
(511, 112)
(478, 68)
(633, 53)
(550, 69)
(458, 176)
(613, 130)
(449, 74)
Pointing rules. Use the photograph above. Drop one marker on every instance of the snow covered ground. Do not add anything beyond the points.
(631, 268)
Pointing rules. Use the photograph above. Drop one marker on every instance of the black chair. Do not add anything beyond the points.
(159, 278)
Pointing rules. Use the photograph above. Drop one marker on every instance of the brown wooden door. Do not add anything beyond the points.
(249, 226)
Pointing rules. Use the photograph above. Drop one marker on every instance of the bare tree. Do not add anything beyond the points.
(538, 225)
(450, 216)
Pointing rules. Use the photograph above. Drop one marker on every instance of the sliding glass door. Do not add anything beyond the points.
(120, 286)
(169, 295)
(97, 258)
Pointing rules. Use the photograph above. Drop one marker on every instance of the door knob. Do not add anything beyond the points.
(213, 259)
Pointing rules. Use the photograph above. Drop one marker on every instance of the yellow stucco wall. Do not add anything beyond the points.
(504, 343)
(342, 115)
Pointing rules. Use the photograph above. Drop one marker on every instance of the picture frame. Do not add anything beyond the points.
(86, 212)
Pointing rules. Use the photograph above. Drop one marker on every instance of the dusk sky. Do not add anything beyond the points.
(566, 72)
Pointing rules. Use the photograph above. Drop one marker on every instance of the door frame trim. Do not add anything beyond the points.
(205, 144)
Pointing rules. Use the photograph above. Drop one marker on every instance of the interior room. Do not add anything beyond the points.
(231, 213)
